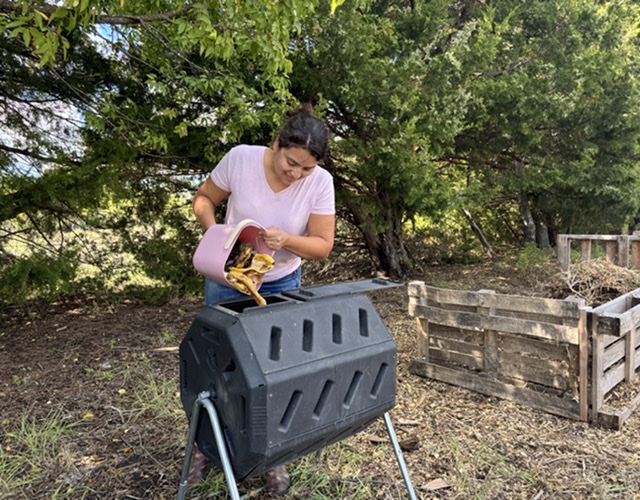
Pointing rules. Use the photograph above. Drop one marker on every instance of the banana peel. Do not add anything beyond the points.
(244, 258)
(247, 279)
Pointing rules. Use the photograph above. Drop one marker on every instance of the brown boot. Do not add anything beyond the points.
(200, 466)
(278, 481)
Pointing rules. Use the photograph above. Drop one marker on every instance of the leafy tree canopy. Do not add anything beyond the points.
(522, 113)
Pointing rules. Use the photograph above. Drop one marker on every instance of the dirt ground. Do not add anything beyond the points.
(86, 360)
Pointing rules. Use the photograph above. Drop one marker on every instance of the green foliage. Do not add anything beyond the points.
(514, 111)
(554, 115)
(531, 257)
(39, 276)
(391, 113)
(445, 239)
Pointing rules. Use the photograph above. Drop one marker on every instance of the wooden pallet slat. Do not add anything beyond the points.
(480, 322)
(564, 407)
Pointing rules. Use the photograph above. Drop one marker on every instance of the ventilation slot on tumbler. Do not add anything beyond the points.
(307, 335)
(242, 418)
(194, 351)
(275, 343)
(211, 335)
(185, 374)
(212, 359)
(379, 379)
(322, 400)
(229, 369)
(337, 328)
(364, 323)
(353, 387)
(294, 402)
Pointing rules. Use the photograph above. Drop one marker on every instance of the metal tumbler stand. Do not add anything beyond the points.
(204, 400)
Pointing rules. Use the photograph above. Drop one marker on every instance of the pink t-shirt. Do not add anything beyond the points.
(241, 173)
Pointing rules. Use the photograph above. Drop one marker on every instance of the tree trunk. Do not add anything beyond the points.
(544, 228)
(542, 235)
(528, 224)
(386, 248)
(387, 251)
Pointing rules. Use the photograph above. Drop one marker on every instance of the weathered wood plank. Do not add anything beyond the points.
(553, 319)
(630, 319)
(609, 324)
(629, 358)
(564, 251)
(540, 371)
(478, 322)
(467, 360)
(473, 337)
(612, 378)
(622, 258)
(585, 250)
(613, 354)
(583, 349)
(537, 347)
(618, 305)
(532, 305)
(619, 324)
(423, 338)
(564, 407)
(635, 254)
(446, 298)
(436, 342)
(615, 418)
(417, 295)
(558, 369)
(611, 251)
(597, 372)
(595, 237)
(491, 354)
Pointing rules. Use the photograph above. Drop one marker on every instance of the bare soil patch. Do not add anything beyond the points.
(85, 359)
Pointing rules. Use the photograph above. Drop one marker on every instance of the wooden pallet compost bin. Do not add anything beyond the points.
(615, 357)
(530, 350)
(619, 249)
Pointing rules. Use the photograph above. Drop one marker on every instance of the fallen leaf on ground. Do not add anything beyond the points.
(437, 484)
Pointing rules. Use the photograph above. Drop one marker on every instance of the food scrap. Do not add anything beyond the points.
(245, 270)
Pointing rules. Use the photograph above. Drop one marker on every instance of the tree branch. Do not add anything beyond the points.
(36, 156)
(8, 7)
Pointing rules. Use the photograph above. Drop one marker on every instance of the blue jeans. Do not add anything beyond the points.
(214, 293)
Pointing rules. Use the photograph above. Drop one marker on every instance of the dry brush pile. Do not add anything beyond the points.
(596, 281)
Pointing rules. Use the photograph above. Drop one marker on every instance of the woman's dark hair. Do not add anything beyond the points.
(303, 130)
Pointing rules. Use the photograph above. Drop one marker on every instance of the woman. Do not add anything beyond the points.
(285, 190)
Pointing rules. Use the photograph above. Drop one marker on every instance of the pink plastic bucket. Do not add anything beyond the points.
(217, 243)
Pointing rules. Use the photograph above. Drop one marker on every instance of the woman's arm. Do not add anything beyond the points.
(316, 244)
(205, 201)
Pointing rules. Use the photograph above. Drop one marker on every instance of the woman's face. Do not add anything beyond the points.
(293, 163)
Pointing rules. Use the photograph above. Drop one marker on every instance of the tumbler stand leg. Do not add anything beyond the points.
(399, 456)
(204, 400)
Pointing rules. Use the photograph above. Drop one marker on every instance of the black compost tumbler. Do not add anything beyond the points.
(312, 367)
